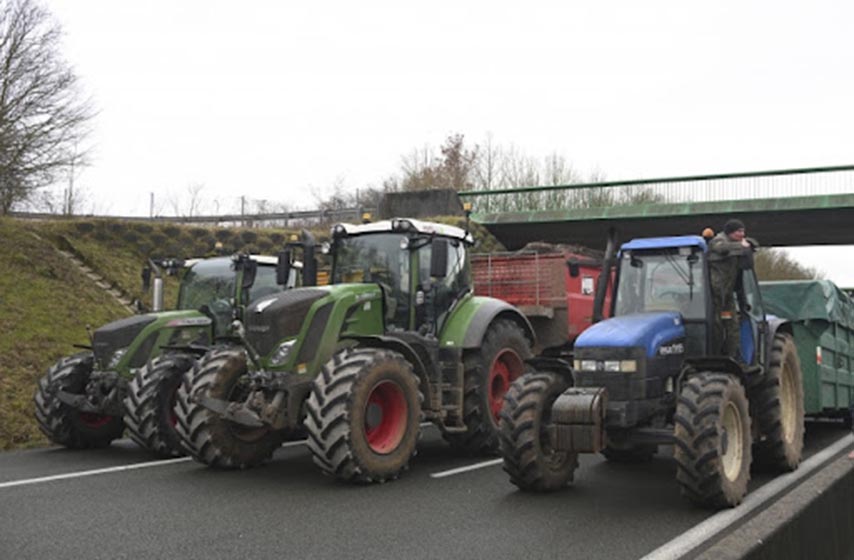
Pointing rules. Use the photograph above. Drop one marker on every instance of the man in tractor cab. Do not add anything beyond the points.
(729, 252)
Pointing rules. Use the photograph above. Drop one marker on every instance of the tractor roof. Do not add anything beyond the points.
(403, 225)
(665, 243)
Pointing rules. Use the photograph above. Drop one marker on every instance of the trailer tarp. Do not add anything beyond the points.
(808, 299)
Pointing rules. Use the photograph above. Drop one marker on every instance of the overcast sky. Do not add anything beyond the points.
(281, 100)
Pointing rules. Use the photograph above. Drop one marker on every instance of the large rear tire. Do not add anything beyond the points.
(489, 373)
(529, 459)
(63, 424)
(210, 438)
(713, 440)
(777, 404)
(150, 405)
(363, 415)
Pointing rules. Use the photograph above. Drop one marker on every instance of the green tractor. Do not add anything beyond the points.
(396, 338)
(129, 375)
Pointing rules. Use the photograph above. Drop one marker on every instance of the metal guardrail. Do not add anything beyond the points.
(783, 183)
(279, 218)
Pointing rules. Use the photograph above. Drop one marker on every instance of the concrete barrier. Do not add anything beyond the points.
(813, 521)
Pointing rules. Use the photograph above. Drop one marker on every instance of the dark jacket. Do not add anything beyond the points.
(725, 258)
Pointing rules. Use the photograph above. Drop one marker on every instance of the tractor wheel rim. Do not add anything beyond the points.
(787, 404)
(505, 369)
(386, 413)
(732, 442)
(94, 421)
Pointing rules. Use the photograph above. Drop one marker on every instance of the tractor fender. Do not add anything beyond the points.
(397, 345)
(778, 325)
(469, 322)
(556, 365)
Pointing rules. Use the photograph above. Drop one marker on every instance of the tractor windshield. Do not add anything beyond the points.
(206, 283)
(666, 280)
(380, 258)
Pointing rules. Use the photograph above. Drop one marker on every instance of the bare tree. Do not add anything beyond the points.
(192, 204)
(777, 264)
(42, 116)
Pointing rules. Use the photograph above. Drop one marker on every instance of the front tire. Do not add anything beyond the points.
(63, 424)
(150, 405)
(205, 435)
(489, 373)
(525, 444)
(363, 415)
(713, 440)
(778, 406)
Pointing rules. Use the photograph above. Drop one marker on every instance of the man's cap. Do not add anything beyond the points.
(733, 225)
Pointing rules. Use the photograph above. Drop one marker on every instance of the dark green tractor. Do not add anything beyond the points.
(129, 375)
(396, 338)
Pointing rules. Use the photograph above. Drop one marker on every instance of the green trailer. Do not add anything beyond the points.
(822, 320)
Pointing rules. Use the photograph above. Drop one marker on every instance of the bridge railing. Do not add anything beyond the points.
(669, 190)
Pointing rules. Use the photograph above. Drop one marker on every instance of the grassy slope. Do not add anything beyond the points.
(45, 304)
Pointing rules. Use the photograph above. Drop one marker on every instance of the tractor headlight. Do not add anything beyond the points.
(612, 365)
(116, 357)
(281, 354)
(629, 366)
(588, 365)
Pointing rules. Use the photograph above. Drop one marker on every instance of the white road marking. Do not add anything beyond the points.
(94, 472)
(108, 470)
(452, 472)
(699, 534)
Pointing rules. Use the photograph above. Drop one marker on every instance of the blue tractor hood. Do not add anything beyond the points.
(645, 330)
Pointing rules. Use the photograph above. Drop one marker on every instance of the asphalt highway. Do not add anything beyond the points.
(52, 506)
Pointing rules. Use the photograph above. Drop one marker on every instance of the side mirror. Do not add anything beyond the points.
(439, 258)
(283, 268)
(574, 269)
(250, 270)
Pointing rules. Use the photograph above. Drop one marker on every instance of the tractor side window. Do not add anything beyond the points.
(444, 291)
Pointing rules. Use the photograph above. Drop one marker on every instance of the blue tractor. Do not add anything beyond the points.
(651, 374)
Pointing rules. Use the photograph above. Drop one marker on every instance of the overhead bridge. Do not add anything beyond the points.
(780, 208)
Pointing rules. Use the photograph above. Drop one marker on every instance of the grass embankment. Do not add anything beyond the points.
(46, 302)
(45, 305)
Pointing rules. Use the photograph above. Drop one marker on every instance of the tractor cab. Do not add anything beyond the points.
(421, 267)
(671, 275)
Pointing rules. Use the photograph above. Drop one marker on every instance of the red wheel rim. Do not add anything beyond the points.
(506, 367)
(94, 421)
(385, 417)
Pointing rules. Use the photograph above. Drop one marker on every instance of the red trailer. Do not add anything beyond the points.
(553, 286)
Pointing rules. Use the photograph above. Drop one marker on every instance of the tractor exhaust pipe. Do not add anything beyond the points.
(157, 295)
(605, 276)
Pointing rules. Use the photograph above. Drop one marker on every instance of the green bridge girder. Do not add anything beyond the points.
(779, 222)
